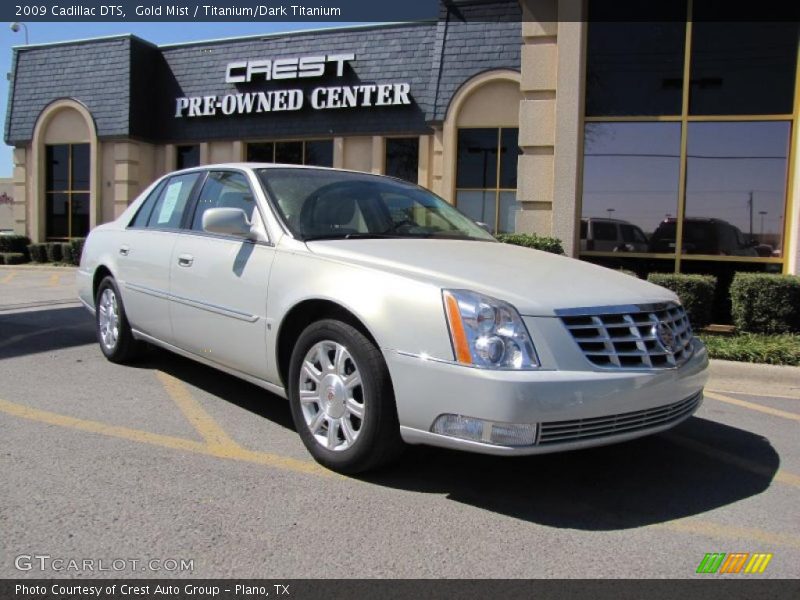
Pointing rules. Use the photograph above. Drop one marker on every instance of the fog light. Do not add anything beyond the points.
(487, 432)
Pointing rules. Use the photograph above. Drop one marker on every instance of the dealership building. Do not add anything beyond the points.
(658, 145)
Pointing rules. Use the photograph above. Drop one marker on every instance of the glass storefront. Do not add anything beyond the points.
(687, 133)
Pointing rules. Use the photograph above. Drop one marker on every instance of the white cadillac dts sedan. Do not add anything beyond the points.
(387, 317)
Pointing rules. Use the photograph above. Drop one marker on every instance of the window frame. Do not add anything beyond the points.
(386, 141)
(497, 190)
(69, 191)
(303, 141)
(685, 118)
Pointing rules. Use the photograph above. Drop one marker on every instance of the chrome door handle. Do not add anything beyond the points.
(185, 260)
(123, 250)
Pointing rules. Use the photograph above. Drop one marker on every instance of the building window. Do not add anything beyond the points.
(318, 153)
(687, 133)
(187, 156)
(486, 176)
(402, 158)
(67, 191)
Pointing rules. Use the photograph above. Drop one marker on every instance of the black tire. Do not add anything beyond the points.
(378, 440)
(125, 348)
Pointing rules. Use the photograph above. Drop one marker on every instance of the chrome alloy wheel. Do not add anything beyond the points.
(332, 395)
(108, 318)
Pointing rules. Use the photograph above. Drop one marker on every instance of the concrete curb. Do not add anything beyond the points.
(751, 378)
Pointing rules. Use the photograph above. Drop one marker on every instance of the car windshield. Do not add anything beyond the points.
(320, 204)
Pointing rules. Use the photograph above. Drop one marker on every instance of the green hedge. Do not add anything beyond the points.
(66, 252)
(783, 349)
(531, 240)
(765, 303)
(14, 243)
(37, 252)
(695, 291)
(76, 245)
(53, 250)
(12, 258)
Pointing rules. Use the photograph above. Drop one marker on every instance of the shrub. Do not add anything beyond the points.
(77, 250)
(531, 240)
(66, 252)
(765, 303)
(37, 252)
(14, 243)
(53, 250)
(12, 258)
(781, 349)
(695, 291)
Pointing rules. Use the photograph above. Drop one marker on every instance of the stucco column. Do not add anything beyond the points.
(126, 176)
(20, 200)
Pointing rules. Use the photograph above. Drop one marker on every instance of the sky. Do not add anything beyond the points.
(158, 33)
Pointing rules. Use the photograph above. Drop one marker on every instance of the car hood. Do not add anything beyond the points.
(536, 283)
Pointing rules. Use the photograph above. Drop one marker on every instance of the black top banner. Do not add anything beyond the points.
(376, 11)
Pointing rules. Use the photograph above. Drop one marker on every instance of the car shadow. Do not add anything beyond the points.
(44, 330)
(696, 467)
(245, 395)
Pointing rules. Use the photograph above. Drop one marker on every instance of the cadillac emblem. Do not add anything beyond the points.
(666, 336)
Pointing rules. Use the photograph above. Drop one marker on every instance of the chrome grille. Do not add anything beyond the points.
(557, 432)
(632, 337)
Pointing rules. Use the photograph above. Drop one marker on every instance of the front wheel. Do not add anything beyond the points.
(341, 398)
(113, 330)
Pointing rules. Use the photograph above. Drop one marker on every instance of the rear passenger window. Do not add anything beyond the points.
(224, 189)
(143, 214)
(168, 210)
(605, 232)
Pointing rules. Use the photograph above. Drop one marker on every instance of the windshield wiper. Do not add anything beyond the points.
(352, 236)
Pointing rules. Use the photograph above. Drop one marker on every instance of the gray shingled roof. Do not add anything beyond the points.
(130, 86)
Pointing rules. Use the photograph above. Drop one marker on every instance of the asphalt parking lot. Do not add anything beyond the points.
(170, 460)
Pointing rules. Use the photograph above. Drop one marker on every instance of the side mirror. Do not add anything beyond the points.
(226, 221)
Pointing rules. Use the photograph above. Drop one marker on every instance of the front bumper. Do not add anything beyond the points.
(563, 400)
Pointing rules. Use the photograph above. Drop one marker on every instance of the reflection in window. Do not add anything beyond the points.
(631, 175)
(66, 191)
(402, 158)
(187, 156)
(635, 67)
(736, 187)
(486, 176)
(318, 153)
(741, 68)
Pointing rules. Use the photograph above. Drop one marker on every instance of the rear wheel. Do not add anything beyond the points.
(113, 330)
(341, 398)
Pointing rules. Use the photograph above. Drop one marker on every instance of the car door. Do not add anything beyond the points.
(218, 294)
(144, 255)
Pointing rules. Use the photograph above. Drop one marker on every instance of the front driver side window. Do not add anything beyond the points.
(224, 189)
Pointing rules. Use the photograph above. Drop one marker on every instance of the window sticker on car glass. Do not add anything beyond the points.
(170, 199)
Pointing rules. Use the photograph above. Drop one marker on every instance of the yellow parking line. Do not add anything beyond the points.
(732, 532)
(747, 464)
(9, 277)
(785, 414)
(762, 394)
(54, 279)
(165, 441)
(212, 433)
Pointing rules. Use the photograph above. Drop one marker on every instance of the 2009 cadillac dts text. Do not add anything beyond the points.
(386, 316)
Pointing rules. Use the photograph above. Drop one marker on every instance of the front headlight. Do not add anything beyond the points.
(486, 332)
